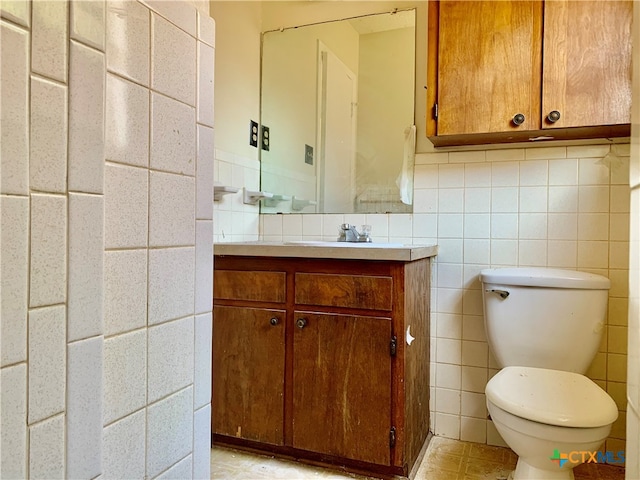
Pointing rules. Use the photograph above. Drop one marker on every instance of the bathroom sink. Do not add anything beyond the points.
(319, 243)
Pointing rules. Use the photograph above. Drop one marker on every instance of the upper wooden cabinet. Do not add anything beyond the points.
(512, 71)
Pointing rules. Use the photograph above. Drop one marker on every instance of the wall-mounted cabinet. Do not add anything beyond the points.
(514, 71)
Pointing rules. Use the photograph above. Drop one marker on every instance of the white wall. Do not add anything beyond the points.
(633, 375)
(106, 239)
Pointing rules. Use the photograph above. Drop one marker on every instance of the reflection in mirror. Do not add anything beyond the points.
(338, 102)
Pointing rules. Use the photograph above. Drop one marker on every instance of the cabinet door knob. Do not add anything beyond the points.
(301, 323)
(274, 321)
(553, 116)
(518, 119)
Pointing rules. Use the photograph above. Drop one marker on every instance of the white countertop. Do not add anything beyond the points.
(318, 249)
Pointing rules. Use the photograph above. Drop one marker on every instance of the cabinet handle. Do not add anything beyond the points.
(553, 116)
(301, 323)
(518, 119)
(274, 321)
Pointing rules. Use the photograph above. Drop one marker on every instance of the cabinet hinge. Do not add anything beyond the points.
(434, 111)
(393, 346)
(392, 437)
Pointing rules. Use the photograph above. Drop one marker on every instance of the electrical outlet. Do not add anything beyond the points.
(308, 154)
(253, 133)
(266, 140)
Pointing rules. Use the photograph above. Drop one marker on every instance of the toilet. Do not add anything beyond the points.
(544, 327)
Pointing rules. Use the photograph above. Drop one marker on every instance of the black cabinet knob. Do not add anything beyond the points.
(518, 119)
(553, 116)
(274, 321)
(301, 323)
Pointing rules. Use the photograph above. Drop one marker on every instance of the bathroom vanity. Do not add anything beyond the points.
(321, 352)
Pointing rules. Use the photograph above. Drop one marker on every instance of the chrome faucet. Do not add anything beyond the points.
(348, 233)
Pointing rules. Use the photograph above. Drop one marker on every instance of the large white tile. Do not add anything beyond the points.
(172, 210)
(534, 173)
(13, 421)
(204, 266)
(46, 448)
(125, 374)
(86, 117)
(48, 149)
(126, 206)
(204, 174)
(49, 34)
(173, 136)
(123, 444)
(17, 11)
(47, 362)
(202, 443)
(84, 408)
(171, 353)
(48, 273)
(14, 268)
(181, 470)
(14, 101)
(169, 431)
(173, 60)
(125, 290)
(127, 122)
(88, 22)
(206, 29)
(179, 13)
(128, 40)
(593, 199)
(171, 283)
(205, 84)
(86, 266)
(202, 373)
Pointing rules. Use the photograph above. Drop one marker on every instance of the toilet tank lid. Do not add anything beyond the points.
(545, 277)
(551, 397)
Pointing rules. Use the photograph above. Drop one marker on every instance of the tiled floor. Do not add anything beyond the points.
(444, 460)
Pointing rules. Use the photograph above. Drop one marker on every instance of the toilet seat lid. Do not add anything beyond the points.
(551, 397)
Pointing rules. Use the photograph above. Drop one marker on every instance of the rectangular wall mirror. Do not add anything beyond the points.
(337, 101)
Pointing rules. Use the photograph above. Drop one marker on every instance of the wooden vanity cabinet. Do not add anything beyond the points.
(332, 380)
(518, 70)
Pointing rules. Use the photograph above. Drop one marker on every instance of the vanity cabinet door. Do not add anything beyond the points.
(248, 373)
(342, 385)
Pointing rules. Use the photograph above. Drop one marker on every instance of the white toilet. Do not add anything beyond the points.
(544, 327)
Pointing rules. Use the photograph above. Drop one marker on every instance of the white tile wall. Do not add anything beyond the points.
(202, 357)
(48, 148)
(171, 357)
(48, 250)
(47, 362)
(125, 374)
(46, 448)
(127, 121)
(169, 431)
(201, 438)
(49, 39)
(173, 135)
(125, 290)
(126, 206)
(13, 418)
(173, 61)
(14, 58)
(76, 267)
(86, 260)
(128, 51)
(172, 210)
(124, 446)
(86, 116)
(14, 235)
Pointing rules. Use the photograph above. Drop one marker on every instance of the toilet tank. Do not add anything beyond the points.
(544, 317)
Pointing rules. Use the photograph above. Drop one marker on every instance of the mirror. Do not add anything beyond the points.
(337, 101)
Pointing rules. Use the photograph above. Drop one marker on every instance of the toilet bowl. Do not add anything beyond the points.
(544, 327)
(549, 418)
